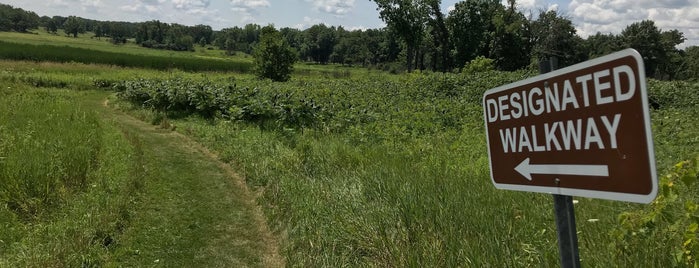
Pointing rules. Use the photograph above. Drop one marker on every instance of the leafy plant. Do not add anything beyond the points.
(274, 58)
(672, 218)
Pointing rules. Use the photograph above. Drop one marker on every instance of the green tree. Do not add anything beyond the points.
(555, 36)
(118, 33)
(273, 57)
(177, 38)
(602, 44)
(319, 41)
(407, 19)
(510, 45)
(691, 62)
(99, 31)
(17, 19)
(671, 64)
(441, 59)
(646, 38)
(229, 46)
(471, 28)
(73, 26)
(52, 26)
(202, 32)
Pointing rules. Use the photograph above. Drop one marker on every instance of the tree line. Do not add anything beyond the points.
(418, 36)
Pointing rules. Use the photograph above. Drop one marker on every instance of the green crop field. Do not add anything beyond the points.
(350, 167)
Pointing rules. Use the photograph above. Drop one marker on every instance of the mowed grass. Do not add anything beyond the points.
(81, 186)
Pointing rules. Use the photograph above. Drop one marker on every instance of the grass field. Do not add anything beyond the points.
(352, 168)
(393, 172)
(83, 186)
(40, 45)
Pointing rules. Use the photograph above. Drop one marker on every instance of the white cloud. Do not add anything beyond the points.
(592, 16)
(190, 4)
(335, 7)
(307, 22)
(58, 3)
(90, 6)
(250, 4)
(143, 6)
(248, 8)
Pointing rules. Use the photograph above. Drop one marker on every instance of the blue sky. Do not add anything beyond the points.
(589, 16)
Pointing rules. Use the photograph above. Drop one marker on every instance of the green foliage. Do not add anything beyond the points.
(392, 171)
(17, 19)
(555, 36)
(274, 59)
(510, 46)
(319, 42)
(48, 149)
(407, 19)
(333, 105)
(674, 94)
(269, 107)
(73, 26)
(672, 220)
(692, 63)
(15, 51)
(471, 25)
(647, 39)
(479, 64)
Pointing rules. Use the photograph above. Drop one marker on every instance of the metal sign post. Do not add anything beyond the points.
(563, 207)
(567, 235)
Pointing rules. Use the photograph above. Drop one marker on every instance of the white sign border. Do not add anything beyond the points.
(637, 198)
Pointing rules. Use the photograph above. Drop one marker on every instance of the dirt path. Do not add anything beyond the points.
(165, 144)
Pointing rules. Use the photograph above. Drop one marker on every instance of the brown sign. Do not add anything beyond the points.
(583, 130)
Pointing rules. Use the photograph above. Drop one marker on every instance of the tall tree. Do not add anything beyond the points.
(671, 64)
(646, 38)
(273, 58)
(73, 26)
(440, 37)
(554, 35)
(691, 62)
(52, 25)
(319, 41)
(602, 44)
(471, 27)
(17, 19)
(407, 19)
(202, 32)
(510, 46)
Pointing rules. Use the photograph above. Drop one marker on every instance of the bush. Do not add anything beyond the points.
(274, 58)
(478, 65)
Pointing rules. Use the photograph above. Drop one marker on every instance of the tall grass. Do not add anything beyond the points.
(31, 52)
(67, 181)
(409, 185)
(49, 148)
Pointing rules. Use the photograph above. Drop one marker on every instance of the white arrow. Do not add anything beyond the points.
(527, 170)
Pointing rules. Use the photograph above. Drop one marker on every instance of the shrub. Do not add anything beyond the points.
(478, 65)
(274, 58)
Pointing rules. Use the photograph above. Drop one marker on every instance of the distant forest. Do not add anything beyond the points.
(418, 36)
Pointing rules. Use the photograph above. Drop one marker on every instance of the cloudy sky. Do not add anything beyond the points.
(589, 16)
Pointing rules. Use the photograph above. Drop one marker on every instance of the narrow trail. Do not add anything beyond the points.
(171, 141)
